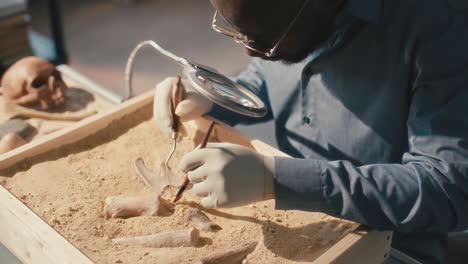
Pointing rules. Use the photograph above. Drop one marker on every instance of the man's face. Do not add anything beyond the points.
(265, 21)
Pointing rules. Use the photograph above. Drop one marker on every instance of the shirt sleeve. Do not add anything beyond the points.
(428, 191)
(253, 79)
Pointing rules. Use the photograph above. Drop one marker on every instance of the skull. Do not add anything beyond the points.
(34, 80)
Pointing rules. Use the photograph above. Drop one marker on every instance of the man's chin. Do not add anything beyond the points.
(275, 58)
(287, 59)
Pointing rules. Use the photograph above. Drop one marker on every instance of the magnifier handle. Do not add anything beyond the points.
(176, 97)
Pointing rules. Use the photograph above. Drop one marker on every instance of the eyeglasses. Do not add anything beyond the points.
(250, 43)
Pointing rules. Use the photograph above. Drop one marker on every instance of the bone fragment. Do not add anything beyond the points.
(11, 110)
(10, 142)
(157, 181)
(127, 206)
(201, 221)
(177, 238)
(233, 255)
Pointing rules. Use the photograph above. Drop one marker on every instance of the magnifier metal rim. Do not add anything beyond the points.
(257, 112)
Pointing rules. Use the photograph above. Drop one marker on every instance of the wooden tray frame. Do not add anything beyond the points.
(32, 240)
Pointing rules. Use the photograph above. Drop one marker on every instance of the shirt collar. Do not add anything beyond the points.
(367, 10)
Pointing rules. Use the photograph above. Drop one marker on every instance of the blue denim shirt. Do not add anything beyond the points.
(377, 122)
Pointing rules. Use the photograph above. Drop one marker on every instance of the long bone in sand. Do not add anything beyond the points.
(178, 238)
(127, 206)
(232, 255)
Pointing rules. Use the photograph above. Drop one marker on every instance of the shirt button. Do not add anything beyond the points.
(305, 120)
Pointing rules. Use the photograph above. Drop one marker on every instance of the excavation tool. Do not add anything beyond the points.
(175, 100)
(159, 181)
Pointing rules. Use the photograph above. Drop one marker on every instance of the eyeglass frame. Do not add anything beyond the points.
(244, 40)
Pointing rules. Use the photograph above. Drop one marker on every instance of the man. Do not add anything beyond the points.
(368, 96)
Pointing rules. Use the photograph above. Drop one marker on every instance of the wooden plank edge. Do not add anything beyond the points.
(364, 244)
(75, 131)
(30, 238)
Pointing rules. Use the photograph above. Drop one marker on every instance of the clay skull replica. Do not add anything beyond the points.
(34, 80)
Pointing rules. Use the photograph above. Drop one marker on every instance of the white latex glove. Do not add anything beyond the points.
(229, 175)
(192, 106)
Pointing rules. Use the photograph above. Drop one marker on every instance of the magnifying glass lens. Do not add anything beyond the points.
(218, 85)
(224, 92)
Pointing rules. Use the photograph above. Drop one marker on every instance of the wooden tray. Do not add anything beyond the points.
(32, 240)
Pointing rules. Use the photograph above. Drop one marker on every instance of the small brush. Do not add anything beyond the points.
(202, 146)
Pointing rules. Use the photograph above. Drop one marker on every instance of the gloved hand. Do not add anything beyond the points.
(192, 106)
(229, 175)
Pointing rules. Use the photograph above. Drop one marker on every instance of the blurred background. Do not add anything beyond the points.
(95, 38)
(100, 34)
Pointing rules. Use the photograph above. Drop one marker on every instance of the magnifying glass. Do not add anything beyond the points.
(207, 81)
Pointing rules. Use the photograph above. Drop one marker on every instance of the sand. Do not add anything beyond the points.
(67, 187)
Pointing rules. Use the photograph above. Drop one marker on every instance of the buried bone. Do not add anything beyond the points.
(177, 238)
(201, 221)
(157, 181)
(10, 142)
(230, 256)
(15, 133)
(18, 127)
(127, 206)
